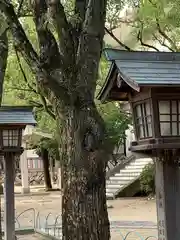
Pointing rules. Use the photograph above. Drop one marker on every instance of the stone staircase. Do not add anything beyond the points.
(124, 174)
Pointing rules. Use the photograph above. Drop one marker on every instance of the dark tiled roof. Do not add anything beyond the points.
(16, 115)
(147, 68)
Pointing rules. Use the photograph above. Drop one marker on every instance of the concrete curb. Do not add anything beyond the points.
(22, 231)
(30, 194)
(46, 236)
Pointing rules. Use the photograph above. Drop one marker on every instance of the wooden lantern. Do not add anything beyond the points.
(12, 122)
(150, 82)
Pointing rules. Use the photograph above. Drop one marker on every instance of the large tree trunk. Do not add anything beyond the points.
(84, 162)
(66, 73)
(47, 178)
(3, 64)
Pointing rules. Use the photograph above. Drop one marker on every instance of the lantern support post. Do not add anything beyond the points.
(24, 171)
(12, 121)
(168, 194)
(9, 213)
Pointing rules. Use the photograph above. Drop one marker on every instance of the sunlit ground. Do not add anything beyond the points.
(126, 213)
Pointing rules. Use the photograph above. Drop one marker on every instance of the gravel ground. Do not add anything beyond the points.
(125, 215)
(30, 237)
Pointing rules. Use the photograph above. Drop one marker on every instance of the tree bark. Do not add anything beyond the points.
(3, 60)
(3, 64)
(84, 162)
(47, 178)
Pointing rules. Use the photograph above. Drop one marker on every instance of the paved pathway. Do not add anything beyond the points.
(123, 230)
(120, 230)
(137, 214)
(30, 237)
(134, 234)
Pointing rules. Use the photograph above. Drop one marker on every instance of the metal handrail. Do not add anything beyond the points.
(123, 161)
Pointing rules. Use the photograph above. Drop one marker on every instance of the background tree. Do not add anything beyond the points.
(44, 154)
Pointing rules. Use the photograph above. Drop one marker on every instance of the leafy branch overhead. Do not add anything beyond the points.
(49, 49)
(159, 23)
(152, 25)
(35, 90)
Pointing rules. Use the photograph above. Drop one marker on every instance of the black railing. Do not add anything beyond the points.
(121, 163)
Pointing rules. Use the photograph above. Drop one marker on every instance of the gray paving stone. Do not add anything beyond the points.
(30, 237)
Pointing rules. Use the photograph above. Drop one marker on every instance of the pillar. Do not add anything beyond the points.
(9, 214)
(51, 170)
(129, 138)
(168, 196)
(24, 172)
(59, 178)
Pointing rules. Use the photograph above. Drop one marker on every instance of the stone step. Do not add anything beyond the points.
(137, 161)
(109, 195)
(121, 178)
(137, 164)
(126, 177)
(111, 190)
(143, 160)
(125, 174)
(118, 182)
(131, 170)
(114, 186)
(134, 167)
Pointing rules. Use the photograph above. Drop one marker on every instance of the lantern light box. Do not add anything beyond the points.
(150, 82)
(13, 121)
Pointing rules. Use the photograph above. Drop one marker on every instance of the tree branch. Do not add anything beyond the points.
(90, 48)
(171, 42)
(3, 60)
(79, 12)
(162, 42)
(18, 89)
(140, 39)
(163, 33)
(27, 51)
(63, 28)
(43, 99)
(80, 9)
(46, 108)
(23, 73)
(117, 40)
(49, 53)
(35, 104)
(95, 17)
(19, 8)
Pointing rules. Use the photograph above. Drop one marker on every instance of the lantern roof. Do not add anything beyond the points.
(16, 115)
(130, 71)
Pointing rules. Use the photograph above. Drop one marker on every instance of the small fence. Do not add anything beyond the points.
(35, 163)
(51, 225)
